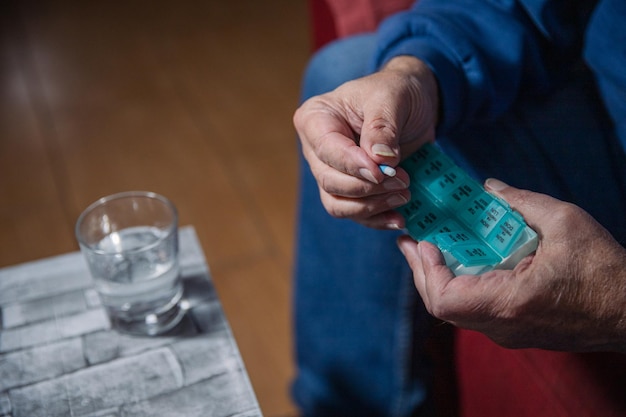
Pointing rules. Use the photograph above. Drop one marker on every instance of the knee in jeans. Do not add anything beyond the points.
(338, 62)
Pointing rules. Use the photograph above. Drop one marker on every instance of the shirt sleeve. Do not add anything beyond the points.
(485, 54)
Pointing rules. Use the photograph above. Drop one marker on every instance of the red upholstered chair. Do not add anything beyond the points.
(493, 381)
(338, 18)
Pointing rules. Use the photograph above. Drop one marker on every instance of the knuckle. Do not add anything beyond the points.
(355, 189)
(382, 125)
(324, 183)
(300, 116)
(519, 197)
(297, 117)
(334, 212)
(507, 341)
(567, 214)
(438, 310)
(569, 211)
(332, 208)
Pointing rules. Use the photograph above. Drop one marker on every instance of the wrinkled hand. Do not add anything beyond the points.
(570, 295)
(348, 132)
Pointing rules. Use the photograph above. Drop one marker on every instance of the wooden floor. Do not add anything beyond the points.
(191, 99)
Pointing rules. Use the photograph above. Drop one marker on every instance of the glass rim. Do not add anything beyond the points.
(122, 195)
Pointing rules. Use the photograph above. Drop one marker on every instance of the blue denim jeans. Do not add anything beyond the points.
(360, 326)
(359, 323)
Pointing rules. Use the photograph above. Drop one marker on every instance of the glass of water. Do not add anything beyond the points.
(130, 242)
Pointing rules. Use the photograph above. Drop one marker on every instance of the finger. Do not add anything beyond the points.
(534, 207)
(340, 184)
(348, 157)
(399, 118)
(361, 209)
(326, 135)
(380, 134)
(410, 250)
(388, 220)
(437, 273)
(452, 299)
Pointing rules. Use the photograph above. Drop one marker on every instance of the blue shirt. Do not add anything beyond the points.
(486, 54)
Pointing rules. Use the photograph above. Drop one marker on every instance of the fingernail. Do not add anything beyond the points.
(382, 150)
(367, 174)
(393, 226)
(400, 246)
(397, 200)
(495, 185)
(422, 252)
(419, 249)
(394, 184)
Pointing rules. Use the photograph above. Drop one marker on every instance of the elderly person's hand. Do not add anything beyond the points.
(374, 120)
(570, 295)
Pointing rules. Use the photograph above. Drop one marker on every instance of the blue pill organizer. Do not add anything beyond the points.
(475, 231)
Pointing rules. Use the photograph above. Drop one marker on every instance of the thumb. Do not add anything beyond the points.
(534, 207)
(379, 138)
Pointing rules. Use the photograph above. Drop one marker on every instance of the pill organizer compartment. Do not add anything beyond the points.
(475, 230)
